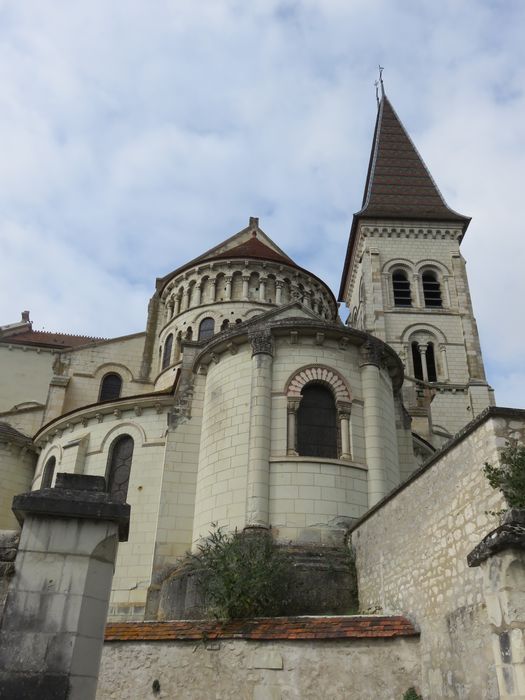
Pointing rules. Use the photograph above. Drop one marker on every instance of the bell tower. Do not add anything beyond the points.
(405, 281)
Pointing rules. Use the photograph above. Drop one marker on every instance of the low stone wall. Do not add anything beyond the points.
(279, 659)
(411, 556)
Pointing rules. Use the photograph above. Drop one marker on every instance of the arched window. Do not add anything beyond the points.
(110, 387)
(206, 328)
(431, 289)
(49, 472)
(166, 357)
(431, 363)
(416, 361)
(401, 287)
(317, 422)
(119, 466)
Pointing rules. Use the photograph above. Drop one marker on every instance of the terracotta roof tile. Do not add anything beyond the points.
(254, 248)
(278, 628)
(48, 339)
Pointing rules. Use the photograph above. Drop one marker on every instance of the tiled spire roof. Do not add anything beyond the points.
(399, 184)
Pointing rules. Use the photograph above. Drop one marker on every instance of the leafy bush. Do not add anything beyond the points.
(412, 694)
(242, 574)
(509, 478)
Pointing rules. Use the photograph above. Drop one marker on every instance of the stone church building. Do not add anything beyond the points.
(247, 401)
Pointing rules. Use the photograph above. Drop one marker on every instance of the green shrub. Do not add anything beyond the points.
(412, 694)
(509, 478)
(242, 574)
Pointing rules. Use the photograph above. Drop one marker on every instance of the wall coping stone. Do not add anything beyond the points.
(74, 496)
(269, 629)
(509, 535)
(489, 412)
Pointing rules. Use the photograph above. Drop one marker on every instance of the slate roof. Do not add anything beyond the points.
(274, 628)
(48, 339)
(10, 434)
(399, 185)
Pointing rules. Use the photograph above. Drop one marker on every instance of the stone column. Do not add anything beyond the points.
(53, 625)
(245, 287)
(171, 308)
(187, 298)
(422, 347)
(198, 294)
(228, 281)
(501, 556)
(446, 292)
(344, 410)
(415, 288)
(291, 409)
(279, 284)
(262, 289)
(372, 414)
(178, 304)
(257, 491)
(444, 361)
(213, 289)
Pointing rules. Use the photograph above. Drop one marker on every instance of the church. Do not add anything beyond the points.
(246, 401)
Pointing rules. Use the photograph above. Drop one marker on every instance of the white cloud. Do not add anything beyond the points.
(136, 135)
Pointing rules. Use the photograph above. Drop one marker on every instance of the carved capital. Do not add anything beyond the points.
(293, 405)
(344, 409)
(262, 341)
(372, 353)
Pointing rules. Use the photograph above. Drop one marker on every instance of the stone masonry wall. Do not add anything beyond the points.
(246, 670)
(411, 558)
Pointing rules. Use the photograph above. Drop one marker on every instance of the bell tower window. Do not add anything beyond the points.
(431, 290)
(401, 288)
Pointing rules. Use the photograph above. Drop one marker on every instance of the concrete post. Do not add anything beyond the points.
(53, 625)
(372, 412)
(257, 492)
(501, 557)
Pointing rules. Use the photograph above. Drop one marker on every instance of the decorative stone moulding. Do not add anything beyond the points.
(320, 374)
(99, 412)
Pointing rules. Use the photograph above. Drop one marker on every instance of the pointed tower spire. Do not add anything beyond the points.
(398, 185)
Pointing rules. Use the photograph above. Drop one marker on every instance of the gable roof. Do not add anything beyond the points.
(398, 183)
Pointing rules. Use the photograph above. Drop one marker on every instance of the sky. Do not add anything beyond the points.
(135, 135)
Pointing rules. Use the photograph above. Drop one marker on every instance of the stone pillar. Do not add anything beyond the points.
(291, 409)
(228, 281)
(501, 556)
(444, 361)
(198, 294)
(257, 491)
(187, 299)
(56, 397)
(53, 626)
(344, 410)
(279, 284)
(422, 347)
(372, 414)
(178, 303)
(245, 287)
(416, 288)
(262, 289)
(213, 289)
